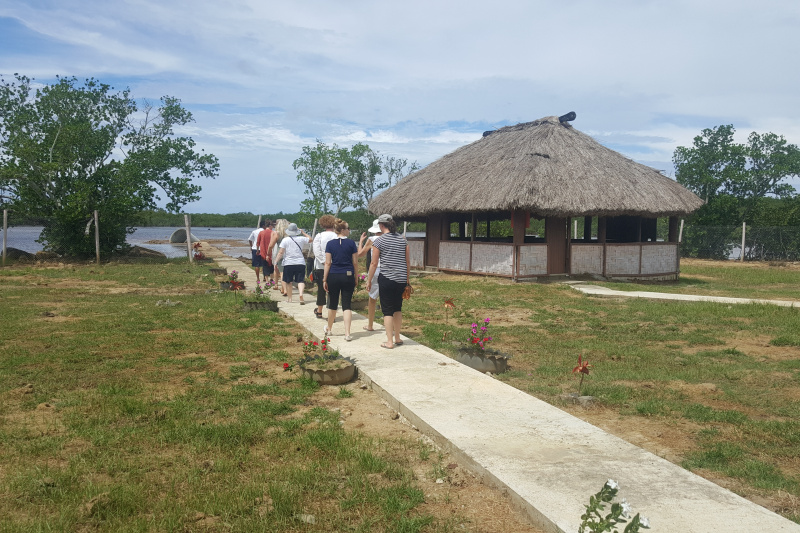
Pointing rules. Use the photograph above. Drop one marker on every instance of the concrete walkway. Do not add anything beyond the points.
(547, 460)
(596, 290)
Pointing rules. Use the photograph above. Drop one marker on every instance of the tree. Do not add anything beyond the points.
(67, 150)
(732, 178)
(395, 168)
(337, 178)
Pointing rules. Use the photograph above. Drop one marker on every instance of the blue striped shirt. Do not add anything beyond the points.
(392, 247)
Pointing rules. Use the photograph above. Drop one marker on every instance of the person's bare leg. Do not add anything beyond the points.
(258, 273)
(331, 319)
(301, 287)
(397, 321)
(388, 323)
(288, 291)
(371, 305)
(348, 319)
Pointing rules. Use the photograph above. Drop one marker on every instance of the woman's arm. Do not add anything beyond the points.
(327, 270)
(376, 254)
(408, 266)
(363, 248)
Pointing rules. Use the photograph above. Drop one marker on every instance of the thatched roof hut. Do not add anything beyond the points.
(545, 167)
(547, 170)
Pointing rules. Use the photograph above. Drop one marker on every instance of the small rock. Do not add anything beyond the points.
(395, 416)
(307, 518)
(585, 401)
(439, 481)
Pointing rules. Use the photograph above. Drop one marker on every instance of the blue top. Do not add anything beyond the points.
(341, 250)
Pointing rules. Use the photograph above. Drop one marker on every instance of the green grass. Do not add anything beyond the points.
(117, 414)
(732, 279)
(731, 367)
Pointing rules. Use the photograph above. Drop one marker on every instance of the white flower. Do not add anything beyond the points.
(644, 522)
(626, 508)
(612, 484)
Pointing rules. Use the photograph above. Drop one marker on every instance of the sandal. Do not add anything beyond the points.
(384, 345)
(398, 343)
(348, 337)
(365, 328)
(318, 313)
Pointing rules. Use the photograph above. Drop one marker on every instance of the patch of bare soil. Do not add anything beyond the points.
(450, 489)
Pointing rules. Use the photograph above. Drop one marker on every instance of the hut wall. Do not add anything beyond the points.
(493, 259)
(416, 249)
(587, 259)
(623, 259)
(533, 260)
(454, 255)
(660, 259)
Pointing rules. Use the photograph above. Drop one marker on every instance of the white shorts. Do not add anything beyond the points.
(373, 291)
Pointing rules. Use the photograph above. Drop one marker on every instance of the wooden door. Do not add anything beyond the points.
(555, 231)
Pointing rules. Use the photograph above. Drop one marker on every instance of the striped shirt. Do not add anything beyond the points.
(393, 256)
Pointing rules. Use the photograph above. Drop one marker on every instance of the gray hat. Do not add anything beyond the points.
(374, 228)
(292, 230)
(385, 218)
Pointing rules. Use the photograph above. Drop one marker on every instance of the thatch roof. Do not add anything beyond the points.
(545, 167)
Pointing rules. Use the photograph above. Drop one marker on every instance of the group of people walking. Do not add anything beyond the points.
(278, 250)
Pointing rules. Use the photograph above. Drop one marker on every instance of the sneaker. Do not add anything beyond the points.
(348, 337)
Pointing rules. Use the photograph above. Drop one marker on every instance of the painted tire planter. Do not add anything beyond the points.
(496, 363)
(261, 305)
(226, 285)
(359, 305)
(218, 271)
(330, 376)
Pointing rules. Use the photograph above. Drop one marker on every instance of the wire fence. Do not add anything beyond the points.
(775, 243)
(30, 243)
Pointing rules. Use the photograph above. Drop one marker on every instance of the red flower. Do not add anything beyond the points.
(583, 367)
(286, 366)
(315, 343)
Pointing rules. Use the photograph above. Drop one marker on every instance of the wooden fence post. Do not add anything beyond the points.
(96, 236)
(5, 234)
(188, 237)
(680, 232)
(744, 231)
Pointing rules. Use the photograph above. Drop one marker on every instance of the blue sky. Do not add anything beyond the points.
(418, 79)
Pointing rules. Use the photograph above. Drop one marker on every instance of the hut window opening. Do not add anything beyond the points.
(535, 231)
(493, 228)
(584, 229)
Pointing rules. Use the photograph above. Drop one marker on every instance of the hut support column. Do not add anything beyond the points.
(519, 222)
(601, 237)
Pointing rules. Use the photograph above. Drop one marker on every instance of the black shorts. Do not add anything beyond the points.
(340, 283)
(391, 294)
(267, 269)
(257, 261)
(294, 273)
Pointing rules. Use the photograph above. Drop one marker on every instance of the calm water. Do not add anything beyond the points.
(24, 238)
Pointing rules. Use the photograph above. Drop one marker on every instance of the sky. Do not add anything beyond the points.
(419, 79)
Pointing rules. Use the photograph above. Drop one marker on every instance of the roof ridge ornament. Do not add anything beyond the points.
(569, 117)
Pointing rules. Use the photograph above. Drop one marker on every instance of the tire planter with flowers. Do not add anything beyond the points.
(359, 305)
(261, 305)
(335, 373)
(218, 271)
(484, 360)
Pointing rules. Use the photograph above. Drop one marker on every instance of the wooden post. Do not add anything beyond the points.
(575, 229)
(744, 231)
(680, 232)
(5, 234)
(188, 237)
(97, 236)
(405, 227)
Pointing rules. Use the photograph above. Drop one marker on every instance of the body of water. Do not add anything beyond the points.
(24, 238)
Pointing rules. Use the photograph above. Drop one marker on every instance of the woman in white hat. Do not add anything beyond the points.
(391, 251)
(294, 260)
(366, 248)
